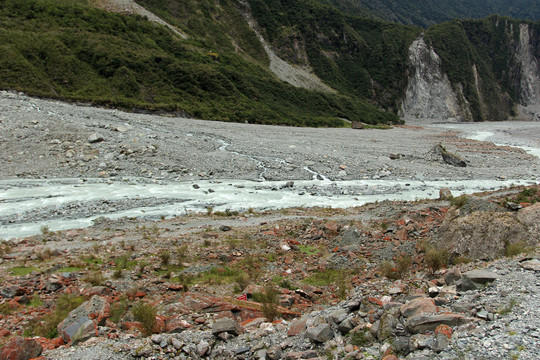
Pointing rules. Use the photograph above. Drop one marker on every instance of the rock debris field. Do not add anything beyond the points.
(447, 278)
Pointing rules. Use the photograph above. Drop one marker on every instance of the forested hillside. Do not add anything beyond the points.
(77, 52)
(222, 70)
(426, 13)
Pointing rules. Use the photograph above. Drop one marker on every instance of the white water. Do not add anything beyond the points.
(21, 197)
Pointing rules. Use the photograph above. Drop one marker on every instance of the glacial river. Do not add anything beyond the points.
(28, 205)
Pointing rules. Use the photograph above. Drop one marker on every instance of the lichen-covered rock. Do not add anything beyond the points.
(21, 349)
(486, 234)
(81, 323)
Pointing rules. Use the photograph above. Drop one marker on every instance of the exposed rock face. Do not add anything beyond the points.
(529, 94)
(21, 349)
(431, 97)
(299, 76)
(486, 234)
(429, 93)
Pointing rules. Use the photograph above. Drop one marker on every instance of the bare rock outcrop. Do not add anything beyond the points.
(485, 234)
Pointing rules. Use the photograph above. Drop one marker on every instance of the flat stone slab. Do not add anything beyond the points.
(422, 323)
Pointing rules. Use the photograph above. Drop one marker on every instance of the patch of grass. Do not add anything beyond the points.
(46, 326)
(22, 270)
(118, 309)
(459, 201)
(69, 269)
(325, 277)
(95, 278)
(269, 300)
(35, 301)
(123, 263)
(360, 338)
(216, 276)
(308, 250)
(507, 309)
(516, 248)
(396, 270)
(146, 315)
(6, 309)
(437, 258)
(531, 196)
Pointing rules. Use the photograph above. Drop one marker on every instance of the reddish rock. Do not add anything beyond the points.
(418, 306)
(176, 325)
(297, 327)
(50, 344)
(445, 330)
(21, 349)
(4, 333)
(425, 322)
(390, 357)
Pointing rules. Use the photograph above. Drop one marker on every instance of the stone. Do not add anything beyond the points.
(533, 265)
(225, 228)
(338, 316)
(347, 325)
(449, 157)
(451, 276)
(203, 348)
(95, 138)
(12, 291)
(76, 326)
(274, 353)
(21, 348)
(297, 327)
(425, 322)
(475, 279)
(320, 333)
(357, 125)
(445, 194)
(226, 325)
(417, 306)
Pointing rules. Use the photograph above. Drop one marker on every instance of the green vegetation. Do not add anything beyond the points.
(426, 13)
(483, 50)
(73, 51)
(507, 309)
(95, 278)
(326, 277)
(530, 195)
(47, 325)
(22, 270)
(396, 270)
(361, 57)
(146, 315)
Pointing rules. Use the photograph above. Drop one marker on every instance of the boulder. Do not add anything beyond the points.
(81, 323)
(320, 333)
(425, 322)
(475, 279)
(482, 234)
(21, 348)
(417, 306)
(226, 325)
(297, 327)
(95, 138)
(452, 276)
(449, 157)
(445, 194)
(11, 291)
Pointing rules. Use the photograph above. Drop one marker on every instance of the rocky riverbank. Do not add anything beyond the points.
(365, 282)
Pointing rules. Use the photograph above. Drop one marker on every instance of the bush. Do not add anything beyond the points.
(47, 326)
(146, 315)
(436, 258)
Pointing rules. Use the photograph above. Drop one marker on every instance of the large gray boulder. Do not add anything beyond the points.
(226, 325)
(81, 323)
(320, 333)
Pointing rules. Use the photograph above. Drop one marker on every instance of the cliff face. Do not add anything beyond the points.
(429, 94)
(491, 72)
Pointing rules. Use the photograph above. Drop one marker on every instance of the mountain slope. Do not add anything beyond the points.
(426, 13)
(74, 51)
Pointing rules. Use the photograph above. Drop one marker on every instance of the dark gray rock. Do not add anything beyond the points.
(449, 157)
(81, 323)
(320, 333)
(226, 326)
(475, 279)
(424, 322)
